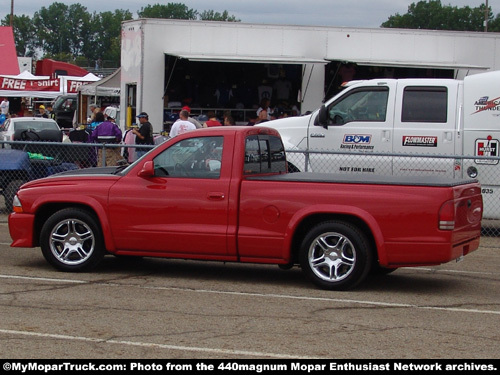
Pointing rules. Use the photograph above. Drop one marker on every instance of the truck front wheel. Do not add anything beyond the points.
(336, 255)
(71, 240)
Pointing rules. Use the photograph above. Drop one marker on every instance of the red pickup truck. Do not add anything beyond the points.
(224, 194)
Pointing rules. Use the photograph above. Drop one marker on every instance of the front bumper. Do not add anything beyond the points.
(21, 227)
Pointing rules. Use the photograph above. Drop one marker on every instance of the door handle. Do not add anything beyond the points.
(216, 196)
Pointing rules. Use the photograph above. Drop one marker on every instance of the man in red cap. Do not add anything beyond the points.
(190, 119)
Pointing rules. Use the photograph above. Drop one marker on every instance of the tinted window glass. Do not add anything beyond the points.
(367, 104)
(192, 158)
(264, 154)
(425, 104)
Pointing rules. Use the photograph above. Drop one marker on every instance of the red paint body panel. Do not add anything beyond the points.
(237, 218)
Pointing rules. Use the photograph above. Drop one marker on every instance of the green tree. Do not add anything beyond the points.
(210, 15)
(105, 35)
(54, 27)
(432, 15)
(176, 11)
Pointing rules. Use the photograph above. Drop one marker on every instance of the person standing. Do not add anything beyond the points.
(212, 120)
(50, 112)
(143, 136)
(5, 107)
(190, 119)
(109, 133)
(182, 125)
(4, 113)
(229, 121)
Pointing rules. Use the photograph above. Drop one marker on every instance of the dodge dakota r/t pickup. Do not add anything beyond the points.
(223, 193)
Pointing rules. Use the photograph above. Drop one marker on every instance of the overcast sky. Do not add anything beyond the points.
(352, 13)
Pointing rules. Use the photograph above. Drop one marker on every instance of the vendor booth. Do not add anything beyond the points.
(105, 92)
(39, 89)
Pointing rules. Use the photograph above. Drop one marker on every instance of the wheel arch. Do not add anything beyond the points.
(46, 210)
(312, 220)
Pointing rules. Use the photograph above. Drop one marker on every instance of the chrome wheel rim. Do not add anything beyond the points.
(72, 242)
(332, 257)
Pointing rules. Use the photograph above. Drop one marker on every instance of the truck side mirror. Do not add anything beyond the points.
(322, 118)
(148, 170)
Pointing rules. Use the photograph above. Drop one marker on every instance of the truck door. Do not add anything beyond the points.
(184, 207)
(425, 124)
(359, 125)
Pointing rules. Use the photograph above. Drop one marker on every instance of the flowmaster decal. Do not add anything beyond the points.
(420, 141)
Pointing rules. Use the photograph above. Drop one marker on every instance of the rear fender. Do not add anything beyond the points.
(312, 215)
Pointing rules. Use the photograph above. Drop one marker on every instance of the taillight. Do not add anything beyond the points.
(446, 217)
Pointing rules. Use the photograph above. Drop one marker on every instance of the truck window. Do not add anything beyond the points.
(264, 154)
(425, 104)
(364, 104)
(191, 158)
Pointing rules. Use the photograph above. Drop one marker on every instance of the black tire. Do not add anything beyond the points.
(10, 191)
(71, 240)
(336, 255)
(378, 270)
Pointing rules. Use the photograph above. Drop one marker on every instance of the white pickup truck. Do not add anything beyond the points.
(371, 122)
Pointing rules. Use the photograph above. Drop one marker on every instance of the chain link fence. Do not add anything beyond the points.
(485, 169)
(23, 161)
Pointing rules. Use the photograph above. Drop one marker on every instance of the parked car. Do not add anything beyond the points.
(30, 129)
(33, 130)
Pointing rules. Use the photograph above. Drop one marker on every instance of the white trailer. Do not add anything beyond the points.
(151, 48)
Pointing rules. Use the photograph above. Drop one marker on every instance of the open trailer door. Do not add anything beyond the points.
(234, 82)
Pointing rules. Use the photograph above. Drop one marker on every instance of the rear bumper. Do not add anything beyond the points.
(427, 254)
(21, 229)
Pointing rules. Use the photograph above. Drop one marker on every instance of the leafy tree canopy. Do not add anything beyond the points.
(432, 15)
(71, 33)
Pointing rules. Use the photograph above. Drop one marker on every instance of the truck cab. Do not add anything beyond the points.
(64, 108)
(381, 117)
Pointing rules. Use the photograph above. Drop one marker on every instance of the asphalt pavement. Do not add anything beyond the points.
(178, 309)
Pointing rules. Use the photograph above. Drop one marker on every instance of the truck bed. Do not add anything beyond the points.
(436, 181)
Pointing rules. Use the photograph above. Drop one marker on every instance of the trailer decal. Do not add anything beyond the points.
(487, 147)
(420, 141)
(357, 142)
(483, 104)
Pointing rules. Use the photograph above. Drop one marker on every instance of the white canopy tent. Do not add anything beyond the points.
(108, 86)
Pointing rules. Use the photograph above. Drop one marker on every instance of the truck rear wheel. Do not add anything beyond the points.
(336, 255)
(71, 240)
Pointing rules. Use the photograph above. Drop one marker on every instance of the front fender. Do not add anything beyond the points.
(92, 203)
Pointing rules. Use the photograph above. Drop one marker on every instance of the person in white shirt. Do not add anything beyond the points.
(182, 125)
(5, 106)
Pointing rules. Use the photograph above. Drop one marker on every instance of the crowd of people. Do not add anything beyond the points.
(262, 114)
(101, 128)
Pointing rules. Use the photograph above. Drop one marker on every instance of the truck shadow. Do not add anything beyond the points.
(208, 272)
